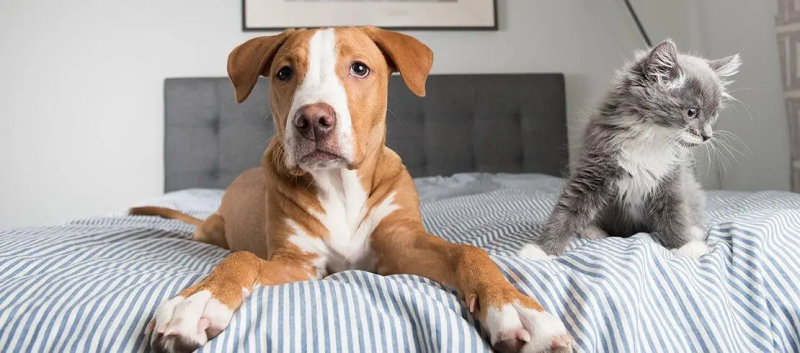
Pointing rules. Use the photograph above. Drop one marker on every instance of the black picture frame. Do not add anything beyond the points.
(493, 27)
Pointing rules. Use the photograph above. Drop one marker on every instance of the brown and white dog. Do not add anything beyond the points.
(330, 196)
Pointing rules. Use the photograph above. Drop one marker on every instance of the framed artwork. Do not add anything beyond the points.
(272, 15)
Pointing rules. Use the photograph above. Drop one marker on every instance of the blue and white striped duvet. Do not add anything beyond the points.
(92, 285)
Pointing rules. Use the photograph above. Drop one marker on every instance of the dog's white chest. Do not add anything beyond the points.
(349, 221)
(646, 165)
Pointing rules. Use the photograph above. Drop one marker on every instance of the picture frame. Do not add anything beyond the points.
(408, 15)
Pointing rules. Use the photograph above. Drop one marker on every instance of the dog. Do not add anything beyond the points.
(330, 196)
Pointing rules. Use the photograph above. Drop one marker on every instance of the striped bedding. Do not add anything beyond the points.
(93, 284)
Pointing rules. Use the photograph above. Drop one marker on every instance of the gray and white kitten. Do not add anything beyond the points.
(635, 169)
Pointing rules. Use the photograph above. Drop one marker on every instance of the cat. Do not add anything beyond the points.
(635, 168)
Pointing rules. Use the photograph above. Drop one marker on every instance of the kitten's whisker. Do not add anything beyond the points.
(727, 143)
(719, 151)
(673, 141)
(728, 149)
(731, 158)
(752, 89)
(720, 157)
(721, 163)
(732, 135)
(675, 136)
(746, 107)
(708, 159)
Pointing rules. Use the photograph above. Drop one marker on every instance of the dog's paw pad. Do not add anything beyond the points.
(513, 342)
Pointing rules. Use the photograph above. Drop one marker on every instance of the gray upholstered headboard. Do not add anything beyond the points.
(504, 123)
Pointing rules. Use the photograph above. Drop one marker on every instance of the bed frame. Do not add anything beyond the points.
(493, 123)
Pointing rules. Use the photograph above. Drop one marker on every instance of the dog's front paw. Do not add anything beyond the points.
(515, 327)
(184, 324)
(533, 252)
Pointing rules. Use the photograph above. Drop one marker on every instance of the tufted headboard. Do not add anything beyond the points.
(495, 123)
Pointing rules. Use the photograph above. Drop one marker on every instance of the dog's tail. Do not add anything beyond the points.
(164, 212)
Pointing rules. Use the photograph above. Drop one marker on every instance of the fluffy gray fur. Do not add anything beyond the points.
(635, 170)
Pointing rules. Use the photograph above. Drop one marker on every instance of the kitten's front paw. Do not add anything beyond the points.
(694, 248)
(593, 232)
(697, 233)
(533, 252)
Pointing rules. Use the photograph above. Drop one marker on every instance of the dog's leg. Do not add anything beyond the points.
(200, 312)
(514, 321)
(212, 231)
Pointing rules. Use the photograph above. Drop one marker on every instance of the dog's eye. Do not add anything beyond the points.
(359, 70)
(285, 73)
(692, 112)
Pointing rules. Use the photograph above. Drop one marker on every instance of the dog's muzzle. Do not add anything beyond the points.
(317, 145)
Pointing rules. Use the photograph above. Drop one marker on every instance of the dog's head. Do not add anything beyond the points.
(328, 88)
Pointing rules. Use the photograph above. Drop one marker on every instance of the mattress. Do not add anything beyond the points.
(93, 284)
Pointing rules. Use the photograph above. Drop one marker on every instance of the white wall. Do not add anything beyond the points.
(747, 27)
(81, 107)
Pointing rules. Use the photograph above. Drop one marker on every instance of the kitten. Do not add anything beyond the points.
(634, 173)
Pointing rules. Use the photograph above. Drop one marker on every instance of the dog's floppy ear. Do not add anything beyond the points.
(250, 60)
(406, 55)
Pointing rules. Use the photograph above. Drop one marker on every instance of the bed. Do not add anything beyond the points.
(487, 153)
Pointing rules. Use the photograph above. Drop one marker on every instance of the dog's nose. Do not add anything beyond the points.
(315, 121)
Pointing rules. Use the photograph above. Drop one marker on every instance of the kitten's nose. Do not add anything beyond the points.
(706, 132)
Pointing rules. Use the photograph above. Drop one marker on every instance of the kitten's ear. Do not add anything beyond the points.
(727, 66)
(662, 63)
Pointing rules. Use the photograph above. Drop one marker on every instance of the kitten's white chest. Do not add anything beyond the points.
(348, 220)
(646, 164)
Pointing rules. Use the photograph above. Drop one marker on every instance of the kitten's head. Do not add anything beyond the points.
(680, 92)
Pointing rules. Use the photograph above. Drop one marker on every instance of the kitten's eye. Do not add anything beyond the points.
(285, 73)
(692, 112)
(359, 70)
